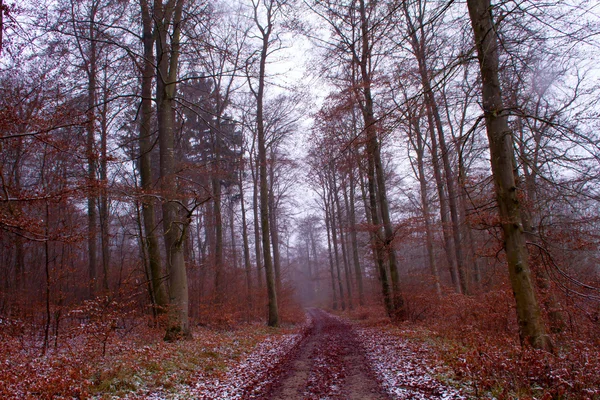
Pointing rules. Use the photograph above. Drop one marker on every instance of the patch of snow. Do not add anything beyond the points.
(406, 370)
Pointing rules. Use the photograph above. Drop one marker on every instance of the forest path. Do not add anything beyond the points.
(330, 364)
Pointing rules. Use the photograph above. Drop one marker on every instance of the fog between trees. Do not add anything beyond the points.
(160, 159)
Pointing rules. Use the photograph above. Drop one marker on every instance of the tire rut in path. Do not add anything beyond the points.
(329, 365)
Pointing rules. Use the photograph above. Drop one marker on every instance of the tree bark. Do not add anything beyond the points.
(332, 222)
(103, 198)
(257, 246)
(273, 221)
(417, 142)
(247, 264)
(273, 315)
(374, 152)
(532, 330)
(351, 206)
(167, 56)
(343, 242)
(217, 223)
(159, 293)
(375, 235)
(92, 71)
(329, 247)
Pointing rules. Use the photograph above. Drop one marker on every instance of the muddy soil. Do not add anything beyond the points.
(330, 364)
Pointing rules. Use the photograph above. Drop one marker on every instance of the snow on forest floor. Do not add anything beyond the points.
(247, 377)
(407, 370)
(215, 364)
(250, 378)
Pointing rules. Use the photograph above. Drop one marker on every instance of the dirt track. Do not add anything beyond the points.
(330, 364)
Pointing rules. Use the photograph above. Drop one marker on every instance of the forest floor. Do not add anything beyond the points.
(329, 364)
(340, 361)
(359, 355)
(326, 357)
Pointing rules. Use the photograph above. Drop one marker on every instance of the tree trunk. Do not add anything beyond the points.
(247, 264)
(419, 148)
(159, 293)
(218, 230)
(18, 240)
(374, 152)
(273, 317)
(343, 242)
(375, 235)
(104, 212)
(532, 330)
(234, 256)
(350, 205)
(91, 156)
(329, 248)
(530, 168)
(273, 222)
(332, 213)
(434, 121)
(167, 55)
(257, 246)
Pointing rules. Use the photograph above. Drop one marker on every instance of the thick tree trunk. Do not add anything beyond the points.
(159, 293)
(532, 330)
(167, 56)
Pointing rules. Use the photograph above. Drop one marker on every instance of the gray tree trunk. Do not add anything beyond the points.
(159, 293)
(266, 30)
(532, 330)
(167, 56)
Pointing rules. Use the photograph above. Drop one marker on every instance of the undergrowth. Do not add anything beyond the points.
(111, 354)
(476, 338)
